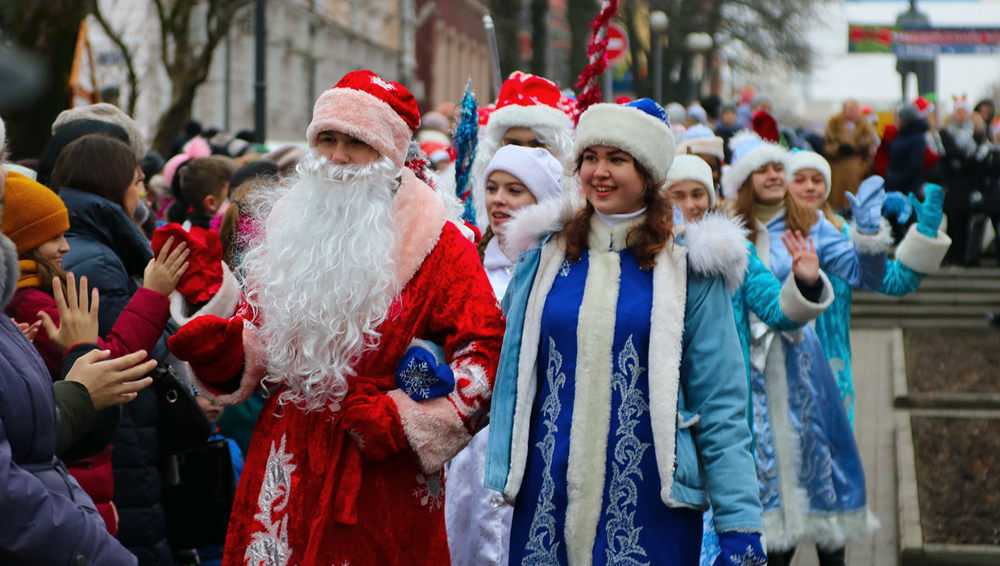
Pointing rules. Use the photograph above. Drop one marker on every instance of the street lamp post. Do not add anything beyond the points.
(658, 23)
(260, 71)
(699, 43)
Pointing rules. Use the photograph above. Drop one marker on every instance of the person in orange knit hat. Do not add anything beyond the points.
(36, 220)
(356, 265)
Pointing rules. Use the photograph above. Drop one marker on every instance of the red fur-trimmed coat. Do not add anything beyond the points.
(364, 485)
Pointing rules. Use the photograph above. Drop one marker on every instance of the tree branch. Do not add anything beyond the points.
(116, 38)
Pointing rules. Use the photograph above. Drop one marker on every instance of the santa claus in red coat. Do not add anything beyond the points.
(356, 264)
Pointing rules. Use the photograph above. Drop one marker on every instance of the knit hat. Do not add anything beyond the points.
(750, 153)
(528, 101)
(799, 160)
(692, 168)
(640, 128)
(697, 113)
(69, 132)
(363, 105)
(104, 112)
(436, 121)
(535, 167)
(34, 214)
(700, 139)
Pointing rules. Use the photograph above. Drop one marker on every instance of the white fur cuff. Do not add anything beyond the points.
(799, 309)
(920, 253)
(222, 304)
(872, 244)
(433, 429)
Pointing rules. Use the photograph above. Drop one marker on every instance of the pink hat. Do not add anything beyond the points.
(363, 105)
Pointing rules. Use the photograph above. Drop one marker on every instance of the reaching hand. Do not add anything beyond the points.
(867, 205)
(929, 212)
(805, 262)
(29, 330)
(77, 314)
(112, 382)
(165, 270)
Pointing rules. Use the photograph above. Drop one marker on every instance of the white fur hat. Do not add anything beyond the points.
(692, 168)
(639, 128)
(750, 153)
(799, 160)
(535, 167)
(700, 139)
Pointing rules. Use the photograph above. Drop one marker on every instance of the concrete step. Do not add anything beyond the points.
(935, 322)
(951, 311)
(960, 284)
(931, 297)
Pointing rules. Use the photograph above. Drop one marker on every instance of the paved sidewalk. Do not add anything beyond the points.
(874, 430)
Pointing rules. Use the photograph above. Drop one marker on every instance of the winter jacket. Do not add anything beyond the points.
(110, 250)
(47, 517)
(137, 328)
(848, 145)
(906, 158)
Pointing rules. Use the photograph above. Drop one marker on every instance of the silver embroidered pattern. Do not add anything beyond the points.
(750, 557)
(623, 494)
(564, 268)
(816, 473)
(270, 546)
(542, 546)
(417, 378)
(429, 492)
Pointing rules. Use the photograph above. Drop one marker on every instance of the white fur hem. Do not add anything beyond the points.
(433, 429)
(920, 253)
(548, 267)
(222, 304)
(828, 531)
(591, 421)
(717, 248)
(797, 308)
(872, 244)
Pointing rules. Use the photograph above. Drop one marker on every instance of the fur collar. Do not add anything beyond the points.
(9, 270)
(716, 244)
(419, 216)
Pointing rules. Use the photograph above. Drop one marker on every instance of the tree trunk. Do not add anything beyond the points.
(539, 36)
(506, 17)
(48, 29)
(642, 76)
(580, 12)
(173, 119)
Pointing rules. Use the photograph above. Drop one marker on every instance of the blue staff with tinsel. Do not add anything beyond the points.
(466, 139)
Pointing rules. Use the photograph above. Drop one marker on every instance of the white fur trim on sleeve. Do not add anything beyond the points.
(920, 253)
(799, 309)
(222, 304)
(716, 247)
(433, 429)
(872, 244)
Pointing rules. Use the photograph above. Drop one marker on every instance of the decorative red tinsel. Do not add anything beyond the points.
(589, 83)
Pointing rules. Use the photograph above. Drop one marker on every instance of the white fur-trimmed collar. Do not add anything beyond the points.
(531, 224)
(717, 246)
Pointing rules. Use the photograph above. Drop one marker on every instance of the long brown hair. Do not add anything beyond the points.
(797, 217)
(46, 271)
(645, 240)
(484, 241)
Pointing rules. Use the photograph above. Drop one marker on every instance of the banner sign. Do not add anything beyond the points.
(923, 43)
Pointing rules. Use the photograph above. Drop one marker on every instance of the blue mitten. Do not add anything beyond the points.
(423, 372)
(897, 206)
(867, 205)
(929, 212)
(741, 549)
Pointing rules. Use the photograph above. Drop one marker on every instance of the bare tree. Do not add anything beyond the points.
(188, 59)
(539, 36)
(118, 39)
(506, 16)
(49, 29)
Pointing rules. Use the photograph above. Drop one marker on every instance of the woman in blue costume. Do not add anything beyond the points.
(920, 252)
(619, 412)
(783, 306)
(812, 484)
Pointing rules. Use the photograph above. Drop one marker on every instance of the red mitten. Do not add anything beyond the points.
(214, 348)
(372, 419)
(203, 277)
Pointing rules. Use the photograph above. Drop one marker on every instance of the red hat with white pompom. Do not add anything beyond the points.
(529, 101)
(363, 105)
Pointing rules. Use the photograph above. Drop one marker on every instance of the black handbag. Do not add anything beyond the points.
(198, 490)
(183, 425)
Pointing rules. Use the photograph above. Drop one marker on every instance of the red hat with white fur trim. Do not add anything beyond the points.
(529, 101)
(363, 105)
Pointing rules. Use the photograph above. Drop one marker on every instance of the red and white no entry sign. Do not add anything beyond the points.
(617, 43)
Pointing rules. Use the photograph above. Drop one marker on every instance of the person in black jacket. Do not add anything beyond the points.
(906, 154)
(107, 247)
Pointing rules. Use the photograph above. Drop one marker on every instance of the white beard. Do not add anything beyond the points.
(323, 276)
